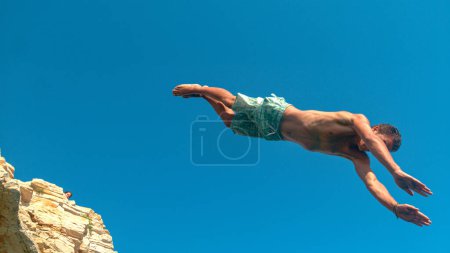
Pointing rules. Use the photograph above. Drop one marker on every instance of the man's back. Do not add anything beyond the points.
(326, 132)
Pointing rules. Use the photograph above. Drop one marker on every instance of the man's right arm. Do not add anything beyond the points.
(378, 148)
(377, 189)
(406, 212)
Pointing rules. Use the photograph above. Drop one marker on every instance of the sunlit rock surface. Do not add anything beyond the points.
(37, 217)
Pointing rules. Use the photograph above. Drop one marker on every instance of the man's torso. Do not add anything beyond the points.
(325, 132)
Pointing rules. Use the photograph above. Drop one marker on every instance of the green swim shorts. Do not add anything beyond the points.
(258, 117)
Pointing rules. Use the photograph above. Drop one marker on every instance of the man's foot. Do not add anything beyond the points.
(187, 90)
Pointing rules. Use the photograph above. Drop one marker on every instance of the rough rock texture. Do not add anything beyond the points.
(37, 217)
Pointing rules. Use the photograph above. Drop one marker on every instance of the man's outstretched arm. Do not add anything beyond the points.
(378, 148)
(406, 212)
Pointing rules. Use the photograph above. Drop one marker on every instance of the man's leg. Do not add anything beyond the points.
(215, 93)
(225, 113)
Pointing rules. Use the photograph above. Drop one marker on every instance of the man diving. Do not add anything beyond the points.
(339, 133)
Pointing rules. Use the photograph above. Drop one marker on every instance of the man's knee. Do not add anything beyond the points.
(230, 101)
(227, 117)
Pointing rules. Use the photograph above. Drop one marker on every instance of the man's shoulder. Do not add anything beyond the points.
(359, 116)
(353, 119)
(346, 117)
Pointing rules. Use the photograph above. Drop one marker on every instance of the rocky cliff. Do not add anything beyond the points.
(37, 217)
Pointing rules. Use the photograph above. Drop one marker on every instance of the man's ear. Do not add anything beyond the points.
(376, 128)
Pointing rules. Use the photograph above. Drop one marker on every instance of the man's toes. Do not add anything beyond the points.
(177, 91)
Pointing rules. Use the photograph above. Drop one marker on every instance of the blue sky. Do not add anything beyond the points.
(86, 103)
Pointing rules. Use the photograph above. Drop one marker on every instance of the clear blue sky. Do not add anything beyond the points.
(86, 103)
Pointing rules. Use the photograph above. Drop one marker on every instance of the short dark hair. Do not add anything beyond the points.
(393, 132)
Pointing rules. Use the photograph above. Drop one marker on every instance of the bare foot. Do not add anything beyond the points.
(187, 90)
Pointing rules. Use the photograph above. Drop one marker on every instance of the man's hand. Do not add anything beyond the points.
(411, 214)
(410, 184)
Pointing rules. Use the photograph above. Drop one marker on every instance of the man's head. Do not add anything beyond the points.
(388, 134)
(68, 194)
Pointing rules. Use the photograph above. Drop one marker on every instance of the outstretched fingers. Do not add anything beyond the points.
(412, 214)
(419, 218)
(411, 185)
(422, 219)
(420, 188)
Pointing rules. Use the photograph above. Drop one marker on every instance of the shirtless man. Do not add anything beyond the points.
(334, 133)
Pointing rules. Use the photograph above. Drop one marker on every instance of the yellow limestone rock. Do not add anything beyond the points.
(36, 217)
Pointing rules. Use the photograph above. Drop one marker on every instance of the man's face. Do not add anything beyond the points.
(388, 141)
(68, 195)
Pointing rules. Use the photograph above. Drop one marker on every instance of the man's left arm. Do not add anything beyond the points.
(378, 148)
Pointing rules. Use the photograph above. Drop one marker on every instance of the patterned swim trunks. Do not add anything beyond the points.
(258, 117)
